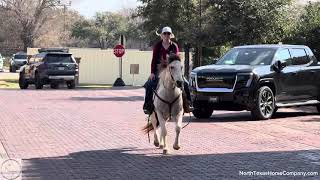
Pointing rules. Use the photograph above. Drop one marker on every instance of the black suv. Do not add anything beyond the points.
(257, 78)
(50, 66)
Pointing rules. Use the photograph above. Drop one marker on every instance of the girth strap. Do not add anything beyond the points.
(167, 102)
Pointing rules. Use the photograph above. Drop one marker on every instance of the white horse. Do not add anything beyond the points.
(168, 104)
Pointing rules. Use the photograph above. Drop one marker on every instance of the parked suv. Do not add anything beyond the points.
(17, 61)
(49, 67)
(257, 78)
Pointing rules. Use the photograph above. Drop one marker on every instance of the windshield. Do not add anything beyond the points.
(59, 58)
(248, 56)
(20, 56)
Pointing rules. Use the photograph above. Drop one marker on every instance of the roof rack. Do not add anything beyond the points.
(63, 50)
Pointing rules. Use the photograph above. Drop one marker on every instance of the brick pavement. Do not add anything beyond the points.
(96, 134)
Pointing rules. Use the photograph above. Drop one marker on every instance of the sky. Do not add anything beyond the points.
(88, 8)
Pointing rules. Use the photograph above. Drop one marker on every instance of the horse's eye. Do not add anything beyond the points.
(171, 67)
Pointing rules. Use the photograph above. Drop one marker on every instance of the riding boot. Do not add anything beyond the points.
(187, 103)
(148, 104)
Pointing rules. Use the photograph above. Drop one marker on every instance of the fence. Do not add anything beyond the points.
(102, 67)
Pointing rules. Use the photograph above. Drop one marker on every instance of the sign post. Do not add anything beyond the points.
(119, 51)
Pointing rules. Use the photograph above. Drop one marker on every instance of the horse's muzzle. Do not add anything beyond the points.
(180, 84)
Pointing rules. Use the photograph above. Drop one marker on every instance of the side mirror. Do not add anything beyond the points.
(278, 66)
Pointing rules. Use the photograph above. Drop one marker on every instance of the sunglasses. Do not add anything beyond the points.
(166, 33)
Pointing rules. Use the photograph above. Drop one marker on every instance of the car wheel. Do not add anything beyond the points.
(37, 82)
(202, 110)
(71, 84)
(23, 82)
(264, 106)
(54, 85)
(318, 107)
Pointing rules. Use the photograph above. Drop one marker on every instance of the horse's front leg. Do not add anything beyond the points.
(163, 136)
(178, 120)
(154, 124)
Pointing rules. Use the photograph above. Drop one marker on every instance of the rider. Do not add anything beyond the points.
(159, 60)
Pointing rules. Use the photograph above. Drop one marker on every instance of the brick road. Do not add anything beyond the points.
(96, 134)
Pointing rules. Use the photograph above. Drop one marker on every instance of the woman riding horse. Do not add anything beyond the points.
(159, 61)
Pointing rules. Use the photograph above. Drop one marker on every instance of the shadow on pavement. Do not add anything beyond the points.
(124, 98)
(246, 116)
(131, 163)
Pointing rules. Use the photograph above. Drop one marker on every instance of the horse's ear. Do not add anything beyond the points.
(174, 57)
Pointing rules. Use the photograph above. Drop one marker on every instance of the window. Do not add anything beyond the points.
(20, 56)
(299, 56)
(59, 58)
(283, 56)
(247, 56)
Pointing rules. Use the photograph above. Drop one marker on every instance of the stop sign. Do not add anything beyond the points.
(118, 50)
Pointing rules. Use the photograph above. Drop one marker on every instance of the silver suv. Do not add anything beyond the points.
(18, 60)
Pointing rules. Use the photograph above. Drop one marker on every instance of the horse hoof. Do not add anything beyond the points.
(156, 144)
(165, 151)
(161, 146)
(176, 147)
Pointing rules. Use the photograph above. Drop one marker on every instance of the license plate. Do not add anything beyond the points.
(213, 99)
(60, 68)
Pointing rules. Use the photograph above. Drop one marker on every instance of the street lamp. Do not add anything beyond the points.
(64, 18)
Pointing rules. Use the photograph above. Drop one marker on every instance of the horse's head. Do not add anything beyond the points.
(175, 68)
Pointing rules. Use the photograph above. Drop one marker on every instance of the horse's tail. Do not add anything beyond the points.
(149, 127)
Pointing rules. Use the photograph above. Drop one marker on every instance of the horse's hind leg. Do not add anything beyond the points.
(154, 124)
(178, 120)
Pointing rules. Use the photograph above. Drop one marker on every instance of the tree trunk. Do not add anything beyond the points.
(27, 39)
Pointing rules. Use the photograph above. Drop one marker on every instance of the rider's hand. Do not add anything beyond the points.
(152, 76)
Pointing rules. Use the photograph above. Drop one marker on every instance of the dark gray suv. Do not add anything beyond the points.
(49, 67)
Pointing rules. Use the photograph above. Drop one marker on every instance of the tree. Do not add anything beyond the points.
(31, 15)
(249, 21)
(308, 30)
(103, 31)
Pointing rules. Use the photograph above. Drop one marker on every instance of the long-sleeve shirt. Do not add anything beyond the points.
(160, 54)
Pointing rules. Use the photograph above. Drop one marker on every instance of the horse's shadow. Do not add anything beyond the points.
(133, 163)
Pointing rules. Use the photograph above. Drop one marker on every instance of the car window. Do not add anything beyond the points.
(284, 56)
(20, 56)
(299, 56)
(59, 58)
(247, 56)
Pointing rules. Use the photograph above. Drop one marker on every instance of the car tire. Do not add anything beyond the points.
(54, 85)
(23, 83)
(13, 69)
(318, 107)
(71, 84)
(202, 110)
(37, 82)
(264, 104)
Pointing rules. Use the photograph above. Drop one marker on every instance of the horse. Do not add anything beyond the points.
(168, 103)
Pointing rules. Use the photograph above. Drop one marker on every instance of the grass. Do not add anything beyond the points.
(94, 86)
(9, 84)
(14, 84)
